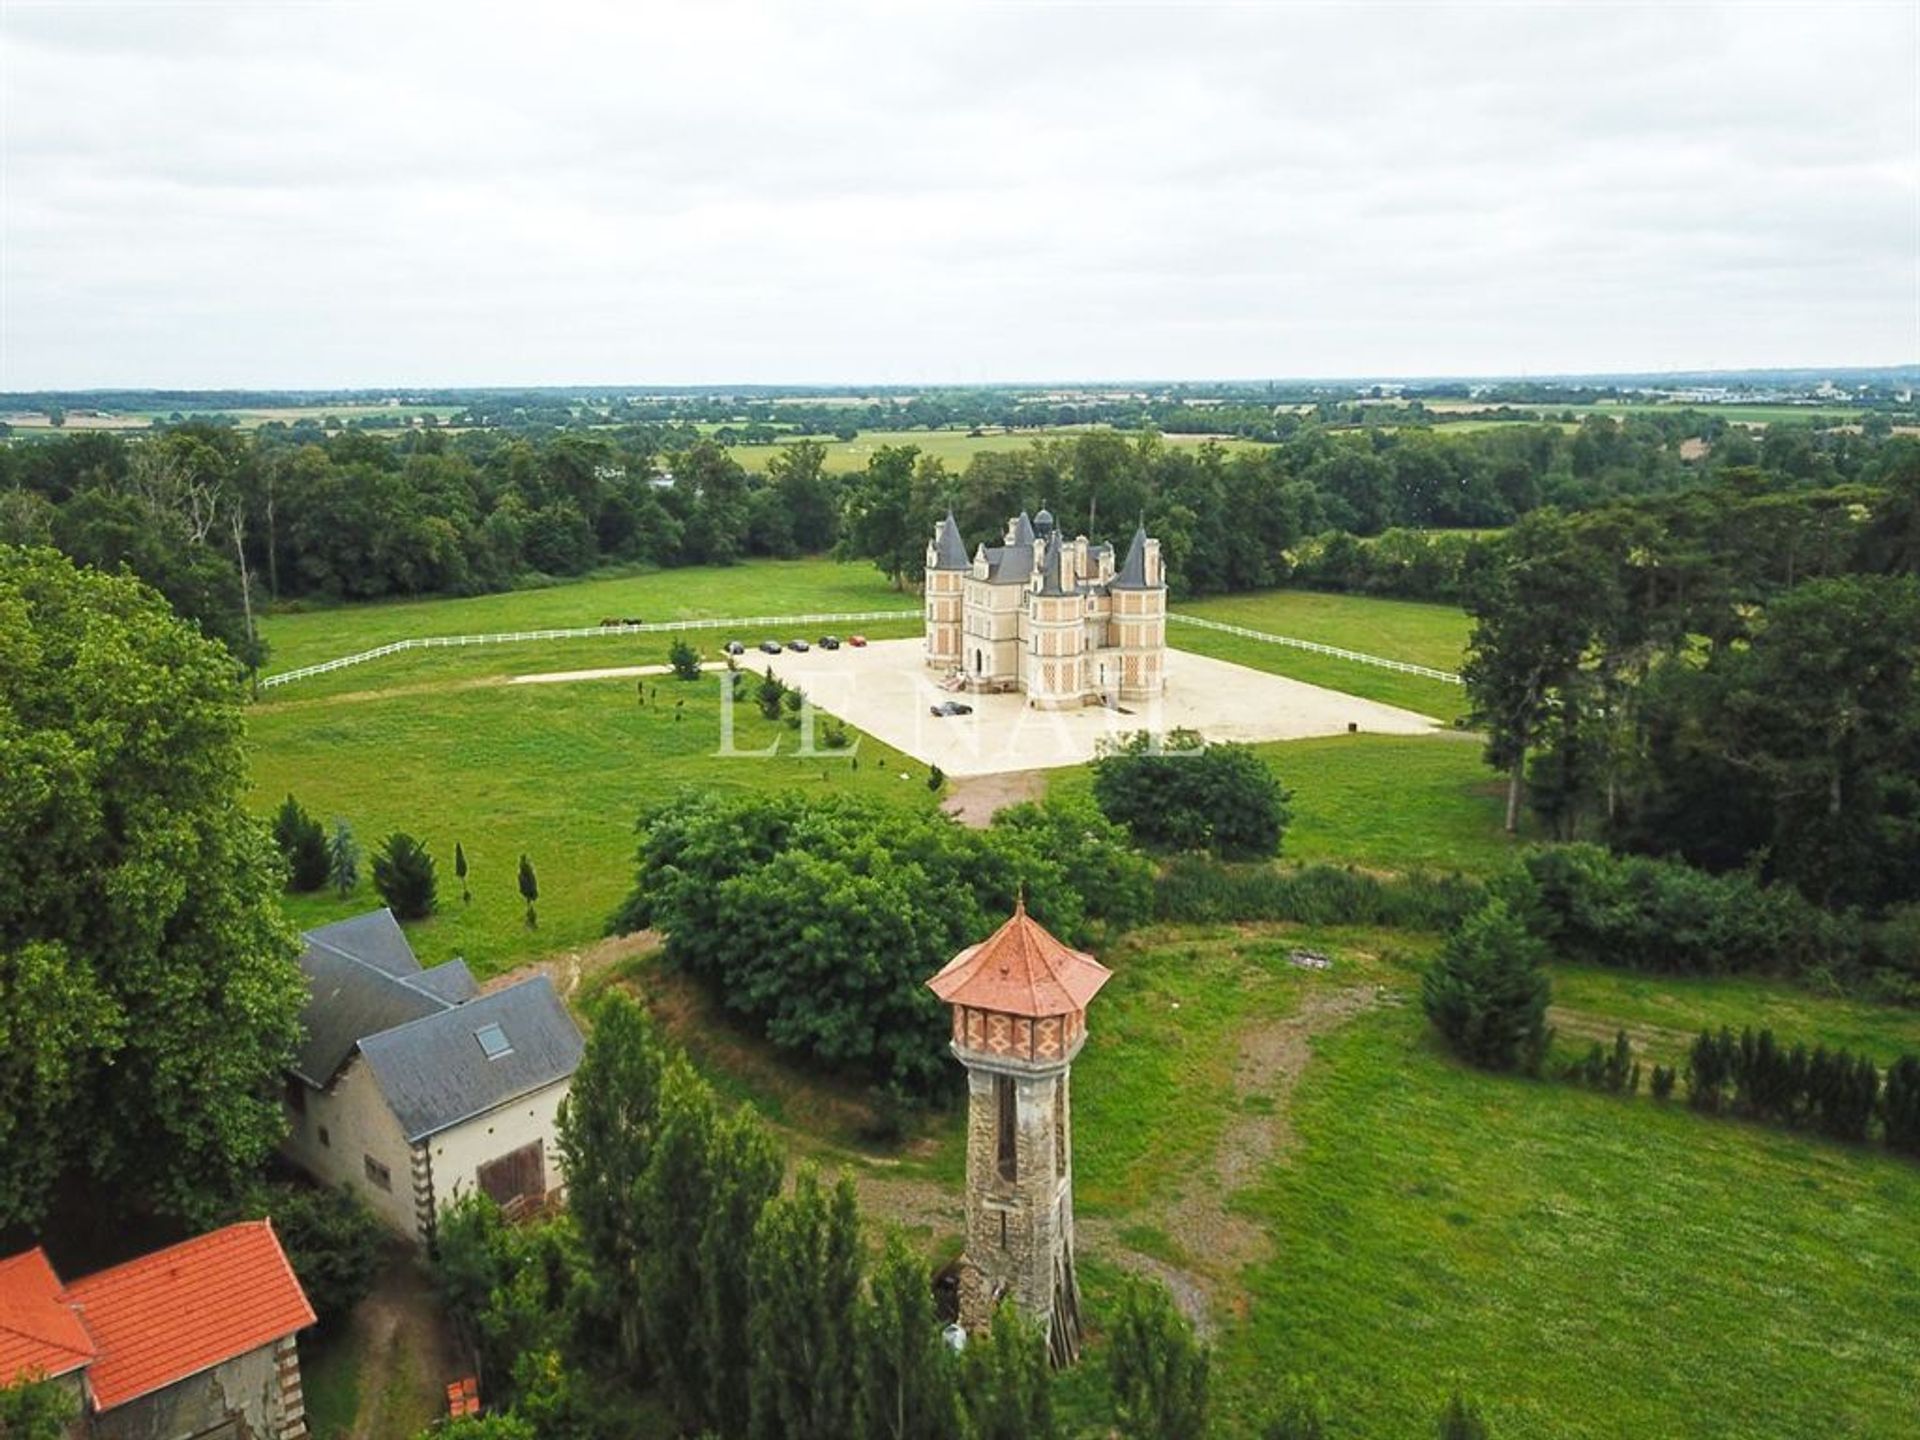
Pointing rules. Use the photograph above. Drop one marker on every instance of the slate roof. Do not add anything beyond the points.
(1021, 969)
(40, 1333)
(416, 1027)
(949, 550)
(1133, 573)
(188, 1308)
(1009, 564)
(435, 1074)
(1050, 583)
(1022, 529)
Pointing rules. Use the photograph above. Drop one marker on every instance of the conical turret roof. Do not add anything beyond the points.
(1021, 969)
(949, 550)
(1133, 572)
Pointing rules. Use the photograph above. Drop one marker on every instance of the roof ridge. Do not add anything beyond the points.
(447, 1007)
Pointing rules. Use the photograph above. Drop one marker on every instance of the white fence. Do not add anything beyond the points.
(780, 623)
(1405, 667)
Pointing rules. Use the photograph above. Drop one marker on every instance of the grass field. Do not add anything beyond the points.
(764, 587)
(556, 771)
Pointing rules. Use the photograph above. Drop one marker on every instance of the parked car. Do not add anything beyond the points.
(829, 642)
(858, 642)
(770, 647)
(799, 647)
(950, 707)
(734, 647)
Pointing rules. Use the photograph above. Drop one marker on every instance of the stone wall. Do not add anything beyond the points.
(244, 1399)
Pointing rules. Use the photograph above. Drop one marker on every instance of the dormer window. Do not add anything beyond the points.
(493, 1041)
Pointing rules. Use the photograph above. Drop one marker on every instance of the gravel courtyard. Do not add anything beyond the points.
(885, 690)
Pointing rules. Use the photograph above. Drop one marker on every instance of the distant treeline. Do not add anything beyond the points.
(195, 509)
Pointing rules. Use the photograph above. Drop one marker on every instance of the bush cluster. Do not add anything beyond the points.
(1176, 792)
(1753, 1074)
(821, 920)
(1195, 890)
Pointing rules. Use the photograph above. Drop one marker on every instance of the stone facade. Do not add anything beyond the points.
(1047, 616)
(256, 1396)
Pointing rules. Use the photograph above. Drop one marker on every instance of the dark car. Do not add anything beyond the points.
(950, 707)
(829, 642)
(734, 647)
(799, 647)
(770, 647)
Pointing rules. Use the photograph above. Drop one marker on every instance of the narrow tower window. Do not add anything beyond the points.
(1007, 1119)
(1060, 1127)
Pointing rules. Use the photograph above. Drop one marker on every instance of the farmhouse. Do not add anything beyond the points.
(412, 1088)
(1050, 617)
(189, 1343)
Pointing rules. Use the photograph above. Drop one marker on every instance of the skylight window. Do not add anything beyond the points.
(493, 1040)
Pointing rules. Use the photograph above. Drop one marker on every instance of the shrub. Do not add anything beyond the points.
(1179, 793)
(768, 695)
(343, 859)
(1487, 992)
(684, 659)
(1661, 1086)
(303, 844)
(403, 873)
(1300, 1415)
(1460, 1419)
(1900, 1106)
(1197, 890)
(1157, 1369)
(332, 1241)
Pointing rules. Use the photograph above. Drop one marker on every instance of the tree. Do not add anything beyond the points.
(343, 859)
(529, 889)
(1006, 1388)
(906, 1368)
(672, 1194)
(403, 874)
(747, 1171)
(460, 873)
(303, 844)
(149, 995)
(607, 1127)
(35, 1410)
(1460, 1419)
(806, 1293)
(769, 694)
(884, 524)
(1157, 1369)
(684, 659)
(1487, 991)
(1180, 793)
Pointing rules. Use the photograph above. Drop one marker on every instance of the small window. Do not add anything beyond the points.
(493, 1041)
(1008, 1119)
(326, 1139)
(377, 1173)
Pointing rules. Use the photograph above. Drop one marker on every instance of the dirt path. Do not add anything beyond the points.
(569, 969)
(407, 1353)
(973, 800)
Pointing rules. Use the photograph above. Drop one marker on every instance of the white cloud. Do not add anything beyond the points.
(312, 194)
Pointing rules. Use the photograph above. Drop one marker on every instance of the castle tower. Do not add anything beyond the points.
(1056, 633)
(1138, 627)
(947, 569)
(1019, 1003)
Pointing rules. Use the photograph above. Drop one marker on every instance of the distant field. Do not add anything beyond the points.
(955, 447)
(761, 587)
(244, 418)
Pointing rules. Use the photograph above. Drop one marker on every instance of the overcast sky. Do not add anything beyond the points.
(269, 194)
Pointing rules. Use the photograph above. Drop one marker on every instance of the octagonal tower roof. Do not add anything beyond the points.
(1021, 969)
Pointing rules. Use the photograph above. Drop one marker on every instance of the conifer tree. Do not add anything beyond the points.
(1487, 992)
(343, 859)
(906, 1370)
(1460, 1419)
(1900, 1106)
(1157, 1368)
(747, 1170)
(460, 872)
(607, 1127)
(1006, 1385)
(672, 1197)
(303, 844)
(403, 874)
(529, 890)
(806, 1292)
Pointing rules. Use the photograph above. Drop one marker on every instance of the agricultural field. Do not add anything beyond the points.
(244, 418)
(955, 448)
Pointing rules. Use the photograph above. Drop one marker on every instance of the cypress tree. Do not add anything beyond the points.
(529, 890)
(906, 1370)
(746, 1176)
(1157, 1368)
(460, 873)
(805, 1284)
(343, 859)
(672, 1198)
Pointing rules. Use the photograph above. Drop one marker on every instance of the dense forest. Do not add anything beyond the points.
(222, 521)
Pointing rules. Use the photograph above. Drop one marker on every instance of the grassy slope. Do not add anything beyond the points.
(765, 587)
(557, 771)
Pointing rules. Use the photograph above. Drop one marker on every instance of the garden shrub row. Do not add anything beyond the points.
(1197, 890)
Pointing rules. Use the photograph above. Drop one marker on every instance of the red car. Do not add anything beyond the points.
(856, 640)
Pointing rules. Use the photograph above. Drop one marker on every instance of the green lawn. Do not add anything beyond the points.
(557, 771)
(762, 587)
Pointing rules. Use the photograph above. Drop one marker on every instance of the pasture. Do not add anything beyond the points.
(956, 448)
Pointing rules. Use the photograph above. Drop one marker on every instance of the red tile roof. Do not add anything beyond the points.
(40, 1335)
(188, 1308)
(1020, 969)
